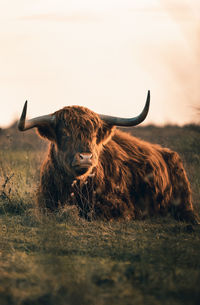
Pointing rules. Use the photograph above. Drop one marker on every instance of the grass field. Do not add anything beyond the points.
(66, 260)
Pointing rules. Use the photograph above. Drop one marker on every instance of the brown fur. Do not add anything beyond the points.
(129, 178)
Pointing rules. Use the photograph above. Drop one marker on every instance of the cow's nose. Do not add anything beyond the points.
(82, 159)
(85, 157)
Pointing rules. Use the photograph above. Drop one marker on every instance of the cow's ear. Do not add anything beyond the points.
(47, 132)
(105, 133)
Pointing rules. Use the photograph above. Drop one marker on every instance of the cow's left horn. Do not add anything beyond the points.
(128, 122)
(36, 122)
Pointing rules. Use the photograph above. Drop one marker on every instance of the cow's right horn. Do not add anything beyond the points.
(24, 125)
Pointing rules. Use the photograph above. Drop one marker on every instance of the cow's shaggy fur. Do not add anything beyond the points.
(129, 178)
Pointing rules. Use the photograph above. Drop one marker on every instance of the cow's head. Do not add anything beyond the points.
(78, 135)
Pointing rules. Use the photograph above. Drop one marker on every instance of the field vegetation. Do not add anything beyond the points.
(63, 259)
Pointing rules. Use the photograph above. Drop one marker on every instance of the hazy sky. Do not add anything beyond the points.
(103, 54)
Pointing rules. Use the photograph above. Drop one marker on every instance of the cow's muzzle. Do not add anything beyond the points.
(82, 162)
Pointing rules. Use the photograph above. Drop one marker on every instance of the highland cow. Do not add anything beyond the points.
(105, 172)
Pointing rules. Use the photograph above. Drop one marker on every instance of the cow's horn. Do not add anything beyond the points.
(36, 122)
(128, 122)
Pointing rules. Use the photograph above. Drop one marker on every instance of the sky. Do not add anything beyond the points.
(102, 54)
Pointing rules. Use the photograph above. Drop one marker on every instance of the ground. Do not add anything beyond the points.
(67, 260)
